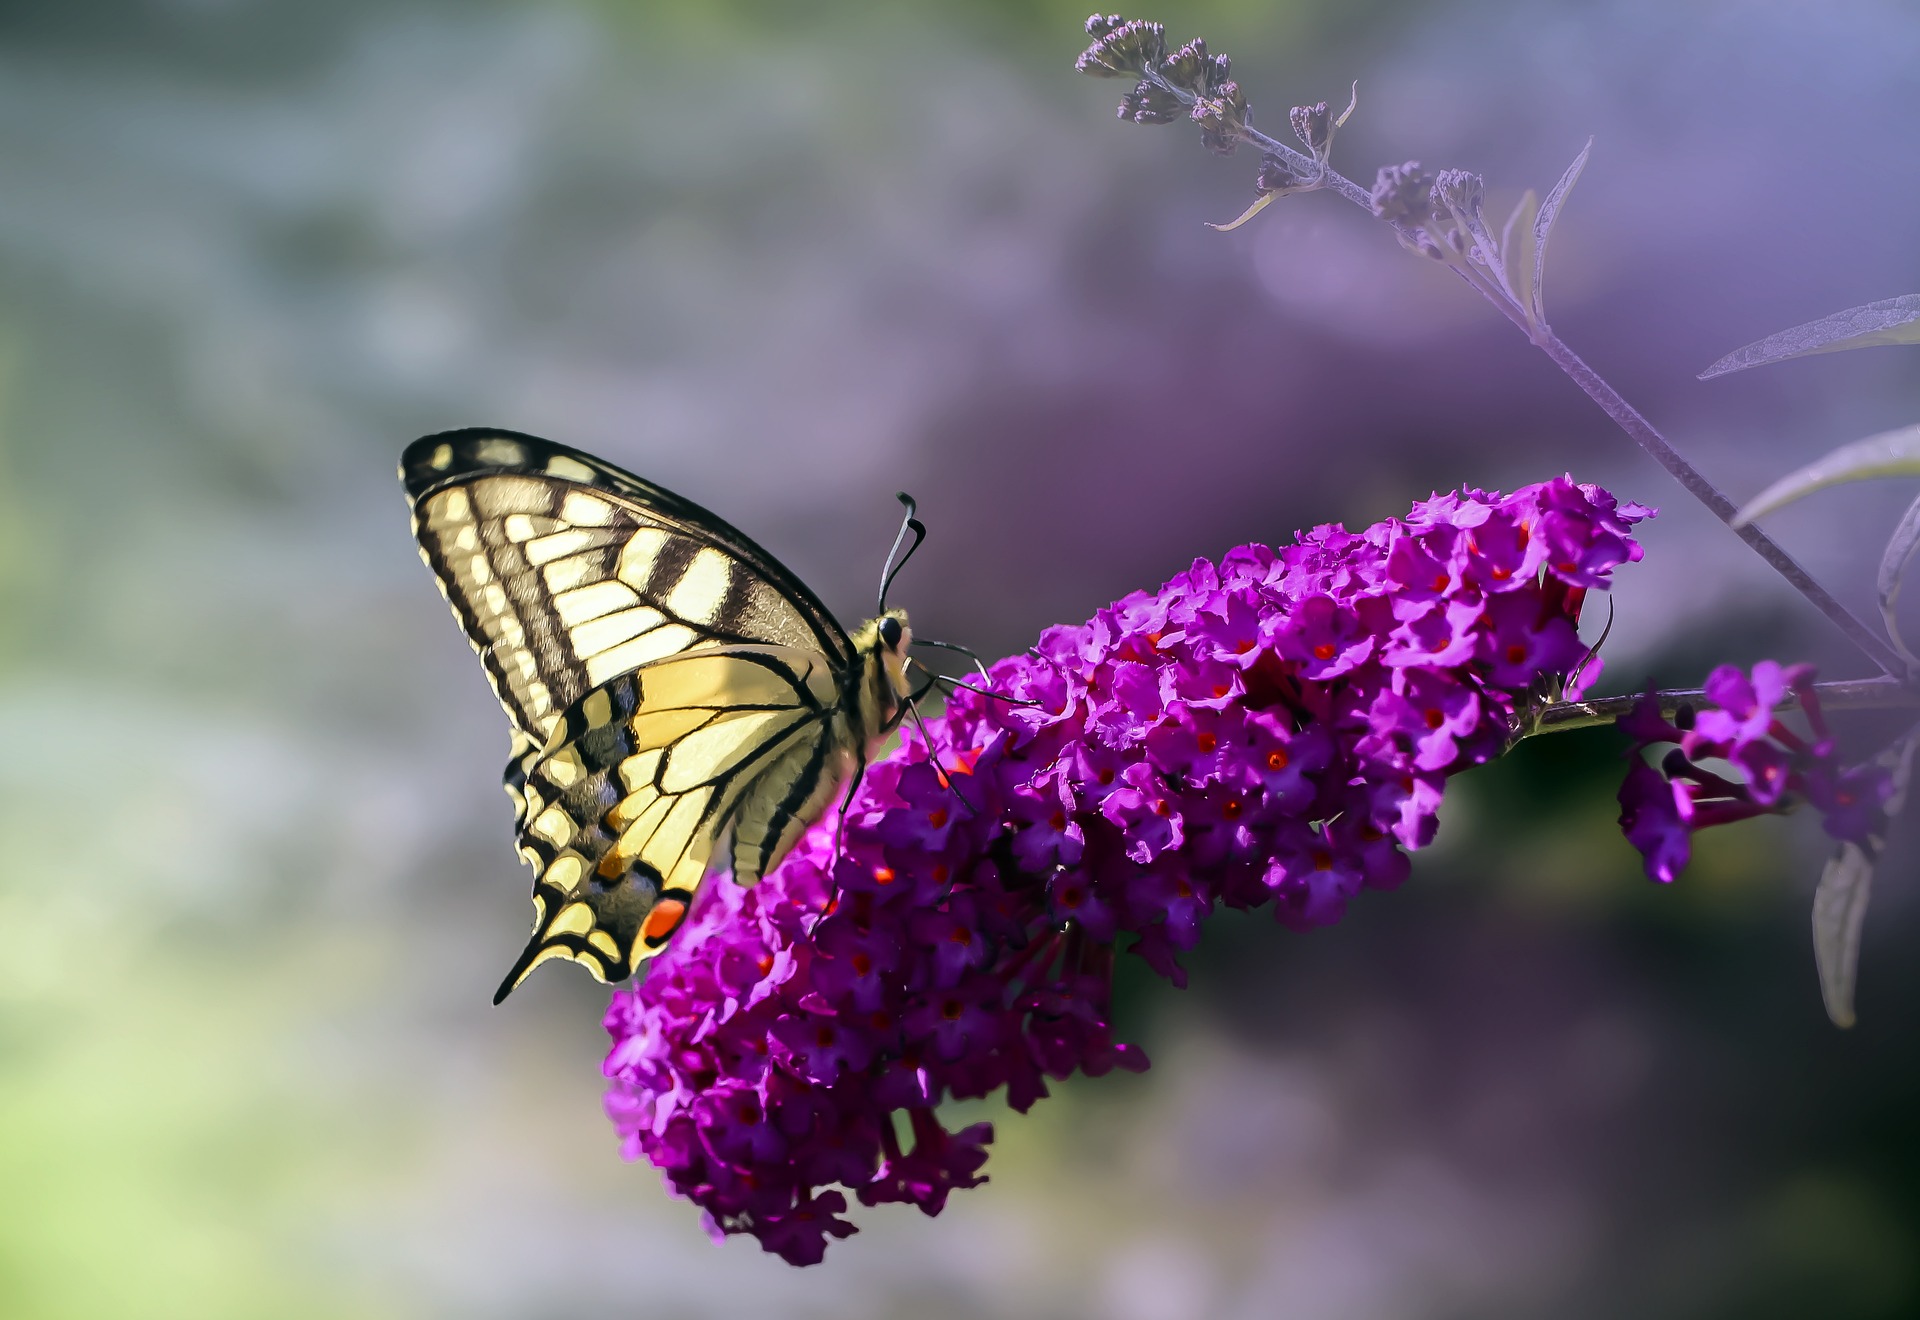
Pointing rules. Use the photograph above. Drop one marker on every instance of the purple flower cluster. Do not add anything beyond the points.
(1275, 728)
(1661, 808)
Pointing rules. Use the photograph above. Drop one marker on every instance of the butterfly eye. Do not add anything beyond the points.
(890, 633)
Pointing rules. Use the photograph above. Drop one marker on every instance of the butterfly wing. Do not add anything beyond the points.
(666, 680)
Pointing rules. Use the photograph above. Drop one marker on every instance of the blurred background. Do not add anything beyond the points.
(257, 887)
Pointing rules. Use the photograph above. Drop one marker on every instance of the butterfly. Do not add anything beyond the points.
(671, 688)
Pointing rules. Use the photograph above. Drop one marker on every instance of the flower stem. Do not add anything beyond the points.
(1854, 694)
(1623, 414)
(1629, 419)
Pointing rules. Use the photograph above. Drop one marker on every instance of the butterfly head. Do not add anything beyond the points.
(888, 637)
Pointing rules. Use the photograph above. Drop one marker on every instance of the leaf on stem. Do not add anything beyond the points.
(1893, 453)
(1353, 103)
(1543, 229)
(1517, 251)
(1839, 909)
(1259, 205)
(1890, 321)
(1893, 567)
(1840, 903)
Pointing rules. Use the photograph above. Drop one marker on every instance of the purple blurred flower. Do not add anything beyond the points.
(1661, 809)
(1275, 728)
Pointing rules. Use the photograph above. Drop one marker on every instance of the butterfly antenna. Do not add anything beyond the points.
(910, 523)
(967, 651)
(957, 684)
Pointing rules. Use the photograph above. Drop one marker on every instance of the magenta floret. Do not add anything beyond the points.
(1661, 810)
(1277, 728)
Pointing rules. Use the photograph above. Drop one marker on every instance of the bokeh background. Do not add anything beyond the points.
(256, 884)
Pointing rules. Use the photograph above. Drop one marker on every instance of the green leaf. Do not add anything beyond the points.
(1516, 251)
(1839, 908)
(1840, 903)
(1889, 454)
(1893, 567)
(1543, 230)
(1260, 204)
(1891, 321)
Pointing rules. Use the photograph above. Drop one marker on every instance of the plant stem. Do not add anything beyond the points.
(1623, 414)
(1855, 694)
(1629, 419)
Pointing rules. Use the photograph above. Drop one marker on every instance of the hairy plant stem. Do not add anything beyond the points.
(1855, 694)
(1317, 175)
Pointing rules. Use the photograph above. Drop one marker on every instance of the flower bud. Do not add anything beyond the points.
(1221, 117)
(1403, 193)
(1313, 125)
(1129, 48)
(1276, 175)
(1192, 68)
(1150, 103)
(1458, 190)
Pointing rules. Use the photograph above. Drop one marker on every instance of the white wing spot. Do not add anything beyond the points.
(565, 872)
(613, 629)
(638, 554)
(560, 544)
(574, 919)
(451, 507)
(442, 458)
(566, 574)
(554, 825)
(571, 469)
(590, 602)
(702, 589)
(584, 510)
(498, 451)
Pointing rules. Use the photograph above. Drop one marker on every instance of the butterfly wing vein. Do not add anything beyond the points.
(668, 684)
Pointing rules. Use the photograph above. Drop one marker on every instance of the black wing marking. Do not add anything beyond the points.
(621, 810)
(566, 571)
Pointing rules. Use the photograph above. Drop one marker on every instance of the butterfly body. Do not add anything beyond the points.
(670, 687)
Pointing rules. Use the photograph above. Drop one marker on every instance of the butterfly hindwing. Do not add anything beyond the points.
(622, 809)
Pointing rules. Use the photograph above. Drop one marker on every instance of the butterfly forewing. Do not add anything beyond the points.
(667, 681)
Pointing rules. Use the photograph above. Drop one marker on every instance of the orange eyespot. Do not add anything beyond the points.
(1324, 651)
(665, 918)
(1277, 759)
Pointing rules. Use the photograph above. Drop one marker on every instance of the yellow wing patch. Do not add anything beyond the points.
(669, 685)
